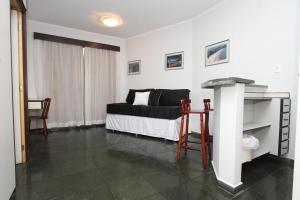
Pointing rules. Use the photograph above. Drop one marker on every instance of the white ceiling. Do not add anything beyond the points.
(139, 16)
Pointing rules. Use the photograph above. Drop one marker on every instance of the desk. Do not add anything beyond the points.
(35, 104)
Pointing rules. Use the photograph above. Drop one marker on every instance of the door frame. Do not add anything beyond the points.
(20, 7)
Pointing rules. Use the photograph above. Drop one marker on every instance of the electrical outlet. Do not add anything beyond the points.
(277, 69)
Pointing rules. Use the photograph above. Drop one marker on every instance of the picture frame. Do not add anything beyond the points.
(134, 67)
(217, 53)
(174, 61)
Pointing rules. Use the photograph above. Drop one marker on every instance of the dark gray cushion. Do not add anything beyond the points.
(154, 97)
(160, 112)
(173, 97)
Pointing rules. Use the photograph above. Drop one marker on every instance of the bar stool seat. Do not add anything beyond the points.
(206, 140)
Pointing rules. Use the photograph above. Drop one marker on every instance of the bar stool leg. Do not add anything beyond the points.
(186, 133)
(180, 137)
(209, 148)
(208, 140)
(203, 141)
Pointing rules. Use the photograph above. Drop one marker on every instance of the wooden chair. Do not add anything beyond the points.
(204, 127)
(43, 116)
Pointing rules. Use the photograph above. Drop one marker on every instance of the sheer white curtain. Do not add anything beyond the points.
(100, 83)
(58, 74)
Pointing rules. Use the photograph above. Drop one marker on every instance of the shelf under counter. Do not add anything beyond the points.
(250, 126)
(266, 95)
(258, 98)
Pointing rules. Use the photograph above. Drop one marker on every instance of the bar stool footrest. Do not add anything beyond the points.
(191, 148)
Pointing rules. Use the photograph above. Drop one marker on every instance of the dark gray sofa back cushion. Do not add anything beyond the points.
(173, 97)
(154, 97)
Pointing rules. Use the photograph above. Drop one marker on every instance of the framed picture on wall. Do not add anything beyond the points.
(217, 53)
(134, 67)
(174, 61)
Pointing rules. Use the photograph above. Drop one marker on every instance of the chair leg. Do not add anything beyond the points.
(209, 143)
(208, 140)
(186, 134)
(180, 137)
(29, 124)
(45, 128)
(28, 140)
(203, 141)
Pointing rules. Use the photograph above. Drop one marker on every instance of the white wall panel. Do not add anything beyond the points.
(7, 163)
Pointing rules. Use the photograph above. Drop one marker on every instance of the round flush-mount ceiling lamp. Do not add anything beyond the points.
(111, 21)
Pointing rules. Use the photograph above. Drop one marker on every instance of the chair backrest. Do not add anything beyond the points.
(185, 106)
(206, 105)
(206, 109)
(46, 107)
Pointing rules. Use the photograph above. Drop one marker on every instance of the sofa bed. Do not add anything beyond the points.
(159, 118)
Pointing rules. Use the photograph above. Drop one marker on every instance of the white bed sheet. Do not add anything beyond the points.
(161, 128)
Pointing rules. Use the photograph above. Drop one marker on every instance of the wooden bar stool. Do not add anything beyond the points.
(183, 138)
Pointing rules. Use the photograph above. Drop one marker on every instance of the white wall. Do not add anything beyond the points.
(151, 48)
(7, 163)
(35, 26)
(262, 35)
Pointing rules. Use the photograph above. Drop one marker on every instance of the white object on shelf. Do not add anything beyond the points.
(250, 142)
(255, 125)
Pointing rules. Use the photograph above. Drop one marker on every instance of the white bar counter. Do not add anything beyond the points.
(234, 115)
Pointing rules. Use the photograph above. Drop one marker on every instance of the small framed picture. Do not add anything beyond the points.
(134, 67)
(217, 53)
(174, 61)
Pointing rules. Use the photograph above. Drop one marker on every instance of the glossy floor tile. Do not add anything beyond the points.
(93, 163)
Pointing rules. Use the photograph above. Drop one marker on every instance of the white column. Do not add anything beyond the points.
(228, 133)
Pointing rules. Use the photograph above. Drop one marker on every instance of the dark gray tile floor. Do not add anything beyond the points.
(96, 164)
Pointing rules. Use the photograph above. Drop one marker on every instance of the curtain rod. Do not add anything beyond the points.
(65, 40)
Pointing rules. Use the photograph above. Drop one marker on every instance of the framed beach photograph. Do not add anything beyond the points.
(134, 67)
(174, 61)
(217, 53)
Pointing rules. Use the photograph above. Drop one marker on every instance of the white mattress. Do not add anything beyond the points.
(161, 128)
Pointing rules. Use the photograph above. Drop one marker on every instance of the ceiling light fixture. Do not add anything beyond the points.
(110, 21)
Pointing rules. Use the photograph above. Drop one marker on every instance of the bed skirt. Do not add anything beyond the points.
(160, 128)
